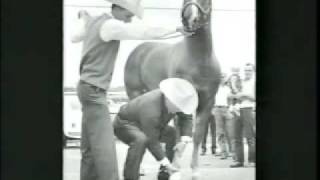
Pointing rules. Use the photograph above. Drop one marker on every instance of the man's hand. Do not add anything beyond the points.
(234, 96)
(179, 148)
(168, 166)
(234, 110)
(171, 169)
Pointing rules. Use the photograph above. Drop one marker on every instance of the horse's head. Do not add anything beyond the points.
(195, 14)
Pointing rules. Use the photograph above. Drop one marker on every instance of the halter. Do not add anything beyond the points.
(205, 12)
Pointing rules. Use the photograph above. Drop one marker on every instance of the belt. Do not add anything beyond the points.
(97, 89)
(221, 106)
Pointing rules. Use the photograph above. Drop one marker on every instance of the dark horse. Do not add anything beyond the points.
(192, 59)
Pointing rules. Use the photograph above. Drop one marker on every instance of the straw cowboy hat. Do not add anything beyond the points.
(133, 6)
(181, 93)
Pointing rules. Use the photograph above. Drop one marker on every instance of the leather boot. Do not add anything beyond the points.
(237, 164)
(213, 151)
(203, 153)
(163, 173)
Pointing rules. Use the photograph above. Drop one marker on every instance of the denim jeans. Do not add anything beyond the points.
(98, 152)
(129, 133)
(223, 122)
(212, 125)
(244, 126)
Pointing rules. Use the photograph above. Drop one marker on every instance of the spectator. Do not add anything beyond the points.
(223, 117)
(234, 83)
(245, 124)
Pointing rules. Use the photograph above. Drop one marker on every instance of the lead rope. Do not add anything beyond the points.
(175, 36)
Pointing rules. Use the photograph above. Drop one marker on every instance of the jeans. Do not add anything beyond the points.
(129, 133)
(223, 123)
(212, 125)
(98, 152)
(244, 126)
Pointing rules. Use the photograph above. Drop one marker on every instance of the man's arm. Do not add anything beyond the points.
(80, 25)
(246, 96)
(117, 30)
(242, 96)
(153, 135)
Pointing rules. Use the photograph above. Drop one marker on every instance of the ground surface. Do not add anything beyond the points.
(211, 167)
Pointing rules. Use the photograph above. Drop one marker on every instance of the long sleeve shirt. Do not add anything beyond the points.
(114, 29)
(148, 112)
(248, 88)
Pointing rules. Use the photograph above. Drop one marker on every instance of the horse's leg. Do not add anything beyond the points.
(200, 125)
(180, 127)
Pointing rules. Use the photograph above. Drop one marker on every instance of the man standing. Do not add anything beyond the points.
(101, 37)
(223, 117)
(143, 123)
(246, 123)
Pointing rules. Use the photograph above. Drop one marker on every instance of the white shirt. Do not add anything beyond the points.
(222, 96)
(248, 87)
(114, 29)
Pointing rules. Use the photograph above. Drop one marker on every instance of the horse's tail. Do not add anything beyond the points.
(132, 72)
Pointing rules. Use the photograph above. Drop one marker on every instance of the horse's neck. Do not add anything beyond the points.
(200, 45)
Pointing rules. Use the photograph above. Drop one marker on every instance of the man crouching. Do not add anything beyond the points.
(143, 123)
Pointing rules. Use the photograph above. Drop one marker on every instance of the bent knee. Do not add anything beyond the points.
(141, 140)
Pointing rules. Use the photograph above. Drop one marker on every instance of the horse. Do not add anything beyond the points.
(193, 58)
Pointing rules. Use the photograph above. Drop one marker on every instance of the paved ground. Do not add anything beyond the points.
(211, 167)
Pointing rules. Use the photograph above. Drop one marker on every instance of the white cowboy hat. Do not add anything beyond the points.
(181, 93)
(133, 6)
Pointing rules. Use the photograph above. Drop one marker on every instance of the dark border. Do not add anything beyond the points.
(286, 89)
(31, 89)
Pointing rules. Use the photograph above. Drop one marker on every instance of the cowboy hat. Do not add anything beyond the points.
(133, 6)
(181, 93)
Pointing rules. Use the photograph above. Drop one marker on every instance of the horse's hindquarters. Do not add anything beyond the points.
(145, 68)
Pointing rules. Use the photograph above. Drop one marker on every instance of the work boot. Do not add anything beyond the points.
(251, 164)
(224, 155)
(142, 172)
(236, 165)
(163, 173)
(204, 150)
(203, 153)
(213, 151)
